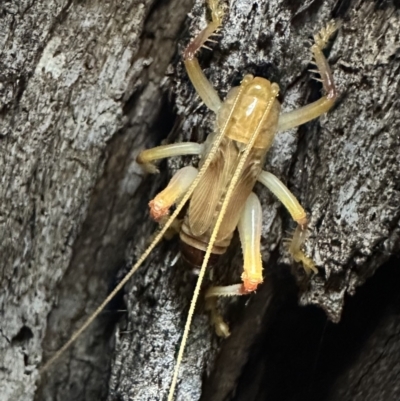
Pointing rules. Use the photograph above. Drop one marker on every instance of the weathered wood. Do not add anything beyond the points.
(82, 91)
(80, 94)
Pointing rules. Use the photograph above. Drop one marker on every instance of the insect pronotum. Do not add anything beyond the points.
(220, 192)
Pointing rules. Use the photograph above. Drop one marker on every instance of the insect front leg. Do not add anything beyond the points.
(249, 227)
(202, 85)
(307, 113)
(278, 188)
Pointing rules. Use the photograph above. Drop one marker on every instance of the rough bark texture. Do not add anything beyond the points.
(82, 91)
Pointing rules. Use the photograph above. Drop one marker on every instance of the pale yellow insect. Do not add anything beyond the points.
(220, 192)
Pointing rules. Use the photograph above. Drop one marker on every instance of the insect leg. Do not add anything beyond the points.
(250, 236)
(178, 185)
(146, 157)
(298, 214)
(307, 113)
(202, 85)
(249, 227)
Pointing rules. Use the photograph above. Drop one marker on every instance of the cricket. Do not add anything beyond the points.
(218, 193)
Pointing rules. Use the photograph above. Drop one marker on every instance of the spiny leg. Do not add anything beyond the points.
(249, 227)
(146, 157)
(278, 188)
(307, 113)
(202, 85)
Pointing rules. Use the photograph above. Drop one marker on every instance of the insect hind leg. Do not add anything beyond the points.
(221, 328)
(250, 236)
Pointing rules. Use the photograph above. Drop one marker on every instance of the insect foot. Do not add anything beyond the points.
(299, 237)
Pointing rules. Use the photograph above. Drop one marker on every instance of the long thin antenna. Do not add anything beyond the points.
(146, 253)
(214, 234)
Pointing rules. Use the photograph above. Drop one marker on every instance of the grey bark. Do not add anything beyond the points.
(83, 88)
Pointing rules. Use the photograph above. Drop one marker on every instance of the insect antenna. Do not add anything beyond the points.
(144, 255)
(232, 185)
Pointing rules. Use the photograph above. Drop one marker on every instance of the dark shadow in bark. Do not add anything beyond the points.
(301, 355)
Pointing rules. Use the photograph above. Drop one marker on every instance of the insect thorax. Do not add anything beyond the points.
(255, 96)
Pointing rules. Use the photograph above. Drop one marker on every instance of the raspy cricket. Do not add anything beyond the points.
(218, 193)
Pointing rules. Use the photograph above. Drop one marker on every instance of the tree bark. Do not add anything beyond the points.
(83, 88)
